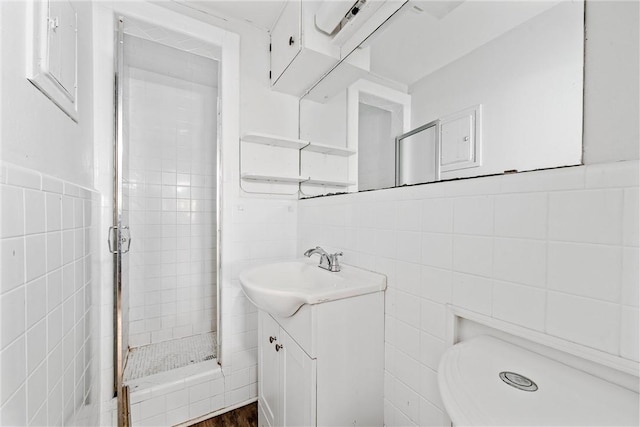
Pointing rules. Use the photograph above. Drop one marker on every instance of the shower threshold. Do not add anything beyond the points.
(147, 362)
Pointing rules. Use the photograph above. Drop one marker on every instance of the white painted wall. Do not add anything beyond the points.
(611, 129)
(529, 82)
(36, 134)
(564, 240)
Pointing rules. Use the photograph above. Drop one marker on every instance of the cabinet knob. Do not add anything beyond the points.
(291, 41)
(272, 339)
(278, 347)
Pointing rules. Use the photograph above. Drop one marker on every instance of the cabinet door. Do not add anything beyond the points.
(298, 384)
(285, 39)
(268, 368)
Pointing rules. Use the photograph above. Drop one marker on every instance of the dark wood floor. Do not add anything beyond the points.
(245, 416)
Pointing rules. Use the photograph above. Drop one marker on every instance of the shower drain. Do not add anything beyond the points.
(518, 381)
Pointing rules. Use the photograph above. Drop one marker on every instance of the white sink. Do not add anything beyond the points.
(282, 288)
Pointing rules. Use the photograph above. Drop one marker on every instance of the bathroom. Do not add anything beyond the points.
(147, 167)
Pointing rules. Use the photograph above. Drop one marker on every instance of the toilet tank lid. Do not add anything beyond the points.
(474, 393)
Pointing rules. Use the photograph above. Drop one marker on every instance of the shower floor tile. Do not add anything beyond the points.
(167, 355)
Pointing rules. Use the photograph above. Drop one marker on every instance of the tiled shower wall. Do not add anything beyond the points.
(47, 312)
(172, 205)
(554, 251)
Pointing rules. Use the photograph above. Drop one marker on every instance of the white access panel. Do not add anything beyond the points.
(460, 140)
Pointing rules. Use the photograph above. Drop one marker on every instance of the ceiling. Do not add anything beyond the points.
(260, 13)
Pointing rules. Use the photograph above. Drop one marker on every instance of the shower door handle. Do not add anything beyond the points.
(125, 239)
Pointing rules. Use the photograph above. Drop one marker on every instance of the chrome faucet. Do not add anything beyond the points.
(327, 261)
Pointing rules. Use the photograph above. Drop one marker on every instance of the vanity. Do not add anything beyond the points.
(322, 364)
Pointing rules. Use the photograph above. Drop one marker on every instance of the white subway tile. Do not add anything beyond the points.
(386, 243)
(52, 185)
(433, 318)
(13, 368)
(54, 212)
(408, 215)
(36, 256)
(520, 261)
(408, 246)
(407, 277)
(12, 202)
(153, 406)
(408, 402)
(36, 299)
(12, 259)
(14, 411)
(437, 215)
(54, 327)
(592, 216)
(630, 276)
(429, 386)
(431, 349)
(12, 316)
(436, 284)
(37, 345)
(521, 215)
(24, 178)
(177, 416)
(629, 333)
(406, 370)
(437, 250)
(40, 419)
(473, 255)
(408, 308)
(54, 289)
(36, 390)
(609, 175)
(631, 217)
(472, 293)
(473, 215)
(584, 321)
(35, 211)
(406, 338)
(67, 212)
(588, 270)
(68, 246)
(522, 305)
(560, 179)
(430, 415)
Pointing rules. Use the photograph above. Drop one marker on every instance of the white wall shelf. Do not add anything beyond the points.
(274, 178)
(329, 149)
(312, 181)
(276, 141)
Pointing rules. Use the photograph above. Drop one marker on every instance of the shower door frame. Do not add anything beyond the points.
(121, 392)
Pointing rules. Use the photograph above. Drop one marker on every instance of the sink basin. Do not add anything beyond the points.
(282, 288)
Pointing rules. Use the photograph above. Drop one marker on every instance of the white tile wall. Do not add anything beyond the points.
(554, 251)
(47, 314)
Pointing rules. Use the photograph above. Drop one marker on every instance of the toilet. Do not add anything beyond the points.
(486, 381)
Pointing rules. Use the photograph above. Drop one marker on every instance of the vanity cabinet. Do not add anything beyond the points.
(287, 378)
(324, 365)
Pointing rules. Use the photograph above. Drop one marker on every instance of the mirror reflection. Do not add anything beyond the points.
(450, 89)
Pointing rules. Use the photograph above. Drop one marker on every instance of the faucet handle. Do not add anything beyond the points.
(334, 264)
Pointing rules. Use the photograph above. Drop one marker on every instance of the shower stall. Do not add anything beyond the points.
(165, 233)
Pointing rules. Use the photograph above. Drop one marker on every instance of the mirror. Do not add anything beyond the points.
(446, 90)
